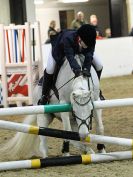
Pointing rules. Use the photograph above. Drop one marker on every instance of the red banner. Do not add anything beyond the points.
(17, 85)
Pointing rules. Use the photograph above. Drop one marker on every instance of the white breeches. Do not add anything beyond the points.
(97, 62)
(51, 63)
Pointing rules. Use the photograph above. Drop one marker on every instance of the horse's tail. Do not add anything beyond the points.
(22, 145)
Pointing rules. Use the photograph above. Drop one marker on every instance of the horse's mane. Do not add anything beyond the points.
(35, 74)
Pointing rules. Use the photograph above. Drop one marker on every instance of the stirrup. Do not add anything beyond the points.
(43, 100)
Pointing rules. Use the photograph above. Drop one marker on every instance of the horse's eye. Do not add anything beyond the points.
(74, 94)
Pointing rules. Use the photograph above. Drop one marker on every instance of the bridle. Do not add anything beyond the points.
(81, 104)
(83, 122)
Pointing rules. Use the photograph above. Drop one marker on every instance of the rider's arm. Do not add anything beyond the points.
(70, 54)
(88, 58)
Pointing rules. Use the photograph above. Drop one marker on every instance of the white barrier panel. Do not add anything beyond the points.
(116, 55)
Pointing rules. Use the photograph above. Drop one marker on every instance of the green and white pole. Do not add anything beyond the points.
(41, 109)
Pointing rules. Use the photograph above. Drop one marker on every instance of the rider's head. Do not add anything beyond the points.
(87, 34)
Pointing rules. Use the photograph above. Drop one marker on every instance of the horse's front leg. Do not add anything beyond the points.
(66, 126)
(43, 120)
(99, 128)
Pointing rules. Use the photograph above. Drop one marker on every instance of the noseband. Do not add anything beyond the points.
(81, 104)
(83, 122)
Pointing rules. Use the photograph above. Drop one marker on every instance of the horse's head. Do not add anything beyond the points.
(82, 105)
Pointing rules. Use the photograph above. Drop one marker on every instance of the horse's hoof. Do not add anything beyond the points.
(66, 154)
(102, 151)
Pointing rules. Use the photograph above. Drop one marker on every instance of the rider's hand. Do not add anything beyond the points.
(78, 73)
(86, 73)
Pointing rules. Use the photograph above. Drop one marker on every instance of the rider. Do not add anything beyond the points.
(67, 44)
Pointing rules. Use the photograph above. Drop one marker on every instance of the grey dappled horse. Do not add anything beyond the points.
(80, 92)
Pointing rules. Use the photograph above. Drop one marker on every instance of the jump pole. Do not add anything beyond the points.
(91, 138)
(28, 110)
(63, 107)
(71, 160)
(113, 103)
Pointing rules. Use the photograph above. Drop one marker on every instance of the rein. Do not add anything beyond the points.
(61, 87)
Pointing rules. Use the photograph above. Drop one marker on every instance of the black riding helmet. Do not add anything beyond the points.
(88, 34)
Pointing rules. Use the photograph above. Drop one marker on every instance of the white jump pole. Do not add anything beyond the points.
(91, 138)
(15, 165)
(60, 161)
(113, 103)
(109, 140)
(112, 156)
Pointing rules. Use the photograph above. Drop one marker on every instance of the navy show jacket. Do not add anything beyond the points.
(66, 45)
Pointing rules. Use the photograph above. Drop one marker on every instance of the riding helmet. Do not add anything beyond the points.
(88, 34)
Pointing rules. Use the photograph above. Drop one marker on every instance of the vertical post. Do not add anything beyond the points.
(23, 51)
(39, 48)
(29, 63)
(16, 50)
(3, 66)
(130, 13)
(12, 44)
(33, 43)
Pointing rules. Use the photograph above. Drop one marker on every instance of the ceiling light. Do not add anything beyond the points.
(72, 1)
(38, 2)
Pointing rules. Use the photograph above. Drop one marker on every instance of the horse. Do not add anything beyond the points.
(80, 92)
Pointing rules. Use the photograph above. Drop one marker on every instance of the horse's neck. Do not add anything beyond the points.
(66, 74)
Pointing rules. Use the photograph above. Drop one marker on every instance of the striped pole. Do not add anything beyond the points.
(23, 51)
(27, 110)
(8, 46)
(62, 107)
(91, 138)
(71, 160)
(15, 39)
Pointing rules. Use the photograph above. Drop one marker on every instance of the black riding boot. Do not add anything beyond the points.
(46, 87)
(99, 76)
